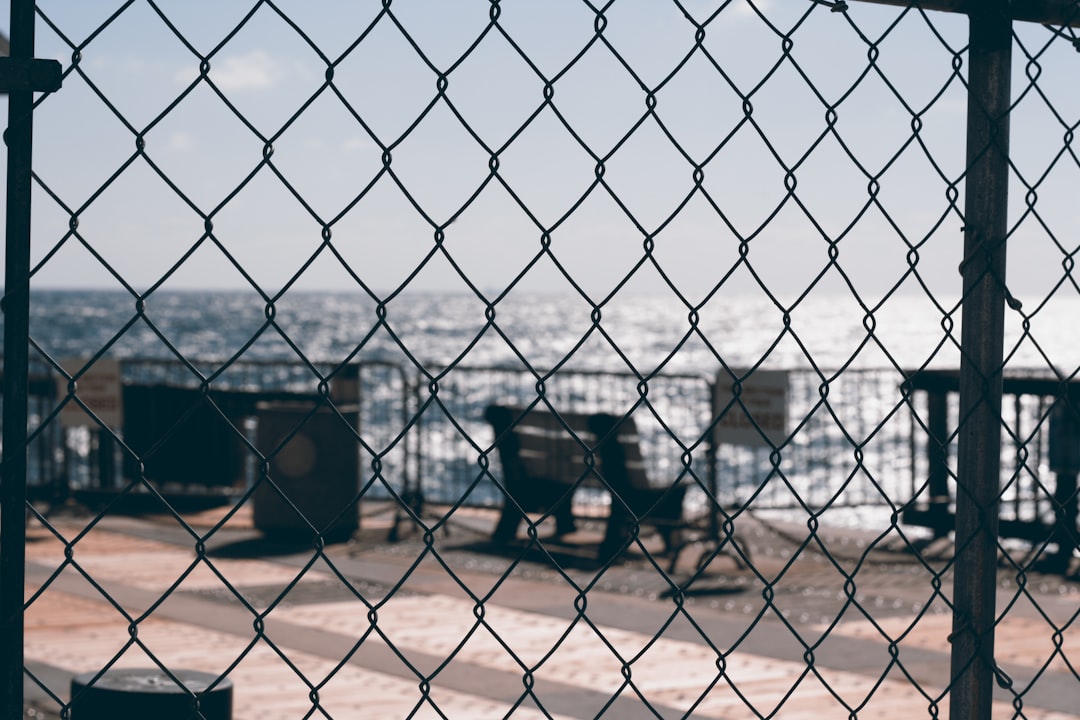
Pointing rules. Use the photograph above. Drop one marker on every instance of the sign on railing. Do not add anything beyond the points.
(752, 408)
(98, 388)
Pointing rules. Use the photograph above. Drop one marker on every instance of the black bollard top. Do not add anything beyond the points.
(152, 680)
(149, 692)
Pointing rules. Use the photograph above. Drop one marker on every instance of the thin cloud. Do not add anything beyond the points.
(744, 9)
(255, 70)
(357, 144)
(181, 141)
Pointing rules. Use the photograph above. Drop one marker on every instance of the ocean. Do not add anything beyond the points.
(637, 333)
(853, 441)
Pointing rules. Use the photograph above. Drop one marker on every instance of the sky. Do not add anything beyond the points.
(550, 159)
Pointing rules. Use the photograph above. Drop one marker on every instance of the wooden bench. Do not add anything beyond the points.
(546, 457)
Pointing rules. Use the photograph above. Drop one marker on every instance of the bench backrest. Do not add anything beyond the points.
(535, 444)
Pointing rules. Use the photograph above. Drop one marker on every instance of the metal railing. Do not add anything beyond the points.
(441, 445)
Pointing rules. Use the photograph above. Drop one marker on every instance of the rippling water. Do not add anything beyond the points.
(637, 332)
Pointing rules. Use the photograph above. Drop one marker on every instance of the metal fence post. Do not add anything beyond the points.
(979, 437)
(20, 76)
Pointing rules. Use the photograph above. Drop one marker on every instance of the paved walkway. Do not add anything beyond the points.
(432, 629)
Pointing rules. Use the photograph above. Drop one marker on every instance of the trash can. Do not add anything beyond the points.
(150, 693)
(313, 473)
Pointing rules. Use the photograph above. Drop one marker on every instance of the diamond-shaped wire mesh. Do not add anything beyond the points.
(286, 256)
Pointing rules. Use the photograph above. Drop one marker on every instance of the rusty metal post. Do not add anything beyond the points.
(1047, 12)
(982, 341)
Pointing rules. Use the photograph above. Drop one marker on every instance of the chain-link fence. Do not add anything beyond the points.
(787, 438)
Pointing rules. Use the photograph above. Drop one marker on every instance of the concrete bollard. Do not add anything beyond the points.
(149, 693)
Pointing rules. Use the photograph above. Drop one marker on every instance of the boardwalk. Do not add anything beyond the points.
(478, 659)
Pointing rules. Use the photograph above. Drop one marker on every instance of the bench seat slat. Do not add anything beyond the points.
(544, 456)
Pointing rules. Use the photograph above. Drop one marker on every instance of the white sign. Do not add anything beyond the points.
(758, 416)
(98, 388)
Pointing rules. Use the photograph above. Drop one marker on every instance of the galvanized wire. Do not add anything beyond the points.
(986, 442)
